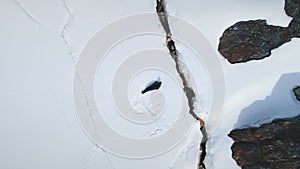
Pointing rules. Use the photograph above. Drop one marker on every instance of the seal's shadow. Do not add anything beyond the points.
(280, 104)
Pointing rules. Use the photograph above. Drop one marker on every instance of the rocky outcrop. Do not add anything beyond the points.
(249, 40)
(292, 8)
(272, 146)
(296, 92)
(254, 39)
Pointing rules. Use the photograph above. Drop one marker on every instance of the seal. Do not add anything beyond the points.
(152, 86)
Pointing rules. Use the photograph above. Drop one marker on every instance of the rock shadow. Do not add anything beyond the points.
(281, 103)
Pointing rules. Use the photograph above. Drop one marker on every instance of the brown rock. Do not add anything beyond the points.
(254, 39)
(274, 145)
(292, 8)
(251, 40)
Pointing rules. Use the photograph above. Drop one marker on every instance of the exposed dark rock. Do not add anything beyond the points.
(153, 86)
(296, 91)
(294, 28)
(249, 40)
(292, 8)
(254, 39)
(271, 146)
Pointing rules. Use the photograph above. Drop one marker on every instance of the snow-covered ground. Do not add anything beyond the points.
(43, 42)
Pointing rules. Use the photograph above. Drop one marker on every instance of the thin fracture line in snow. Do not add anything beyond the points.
(108, 158)
(71, 53)
(93, 153)
(189, 91)
(158, 128)
(62, 33)
(180, 156)
(83, 89)
(67, 8)
(29, 14)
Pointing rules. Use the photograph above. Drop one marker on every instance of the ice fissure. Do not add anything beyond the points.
(181, 70)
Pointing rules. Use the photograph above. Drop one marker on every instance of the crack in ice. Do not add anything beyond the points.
(62, 33)
(94, 152)
(68, 45)
(189, 147)
(29, 14)
(83, 88)
(183, 73)
(108, 158)
(71, 53)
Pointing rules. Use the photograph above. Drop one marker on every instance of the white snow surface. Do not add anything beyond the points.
(41, 42)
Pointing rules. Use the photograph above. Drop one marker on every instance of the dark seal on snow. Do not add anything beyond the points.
(153, 86)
